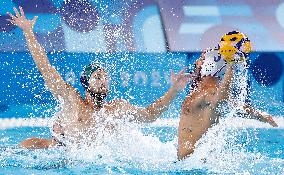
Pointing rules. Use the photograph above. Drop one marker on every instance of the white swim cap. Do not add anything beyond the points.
(213, 64)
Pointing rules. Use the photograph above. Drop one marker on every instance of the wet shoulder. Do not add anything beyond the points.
(72, 102)
(204, 99)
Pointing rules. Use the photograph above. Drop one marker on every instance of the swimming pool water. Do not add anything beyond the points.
(152, 150)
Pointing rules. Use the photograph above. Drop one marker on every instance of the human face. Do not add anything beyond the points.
(98, 82)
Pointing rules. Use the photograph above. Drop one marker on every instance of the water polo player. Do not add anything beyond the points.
(213, 76)
(76, 118)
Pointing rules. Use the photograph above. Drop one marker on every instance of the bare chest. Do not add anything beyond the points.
(200, 107)
(82, 118)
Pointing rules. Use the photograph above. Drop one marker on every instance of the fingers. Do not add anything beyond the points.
(34, 20)
(16, 12)
(271, 121)
(18, 15)
(184, 80)
(12, 16)
(12, 21)
(187, 77)
(173, 77)
(22, 11)
(172, 73)
(181, 75)
(182, 72)
(184, 76)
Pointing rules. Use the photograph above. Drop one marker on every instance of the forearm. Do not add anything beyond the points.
(52, 78)
(37, 51)
(258, 115)
(254, 114)
(228, 76)
(162, 104)
(226, 83)
(37, 143)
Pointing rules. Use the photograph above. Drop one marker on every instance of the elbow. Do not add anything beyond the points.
(149, 116)
(248, 109)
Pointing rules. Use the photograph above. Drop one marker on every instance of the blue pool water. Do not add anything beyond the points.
(245, 147)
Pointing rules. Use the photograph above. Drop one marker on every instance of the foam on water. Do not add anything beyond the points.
(126, 146)
(217, 151)
(127, 149)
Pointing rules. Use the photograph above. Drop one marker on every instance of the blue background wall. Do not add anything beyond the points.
(144, 25)
(139, 77)
(132, 37)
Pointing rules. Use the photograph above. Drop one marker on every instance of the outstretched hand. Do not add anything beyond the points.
(20, 20)
(270, 120)
(180, 80)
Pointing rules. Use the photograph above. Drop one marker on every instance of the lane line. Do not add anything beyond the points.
(232, 122)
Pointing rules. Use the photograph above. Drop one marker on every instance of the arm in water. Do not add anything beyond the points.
(37, 143)
(42, 143)
(154, 110)
(261, 116)
(224, 93)
(53, 80)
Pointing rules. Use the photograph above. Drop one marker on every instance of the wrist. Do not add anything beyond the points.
(28, 31)
(230, 65)
(174, 89)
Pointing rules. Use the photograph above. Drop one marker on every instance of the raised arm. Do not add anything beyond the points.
(154, 110)
(224, 88)
(258, 115)
(53, 80)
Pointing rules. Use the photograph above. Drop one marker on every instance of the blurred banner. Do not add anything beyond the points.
(140, 78)
(193, 24)
(144, 25)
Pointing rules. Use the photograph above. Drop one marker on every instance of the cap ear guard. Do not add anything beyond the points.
(213, 64)
(84, 81)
